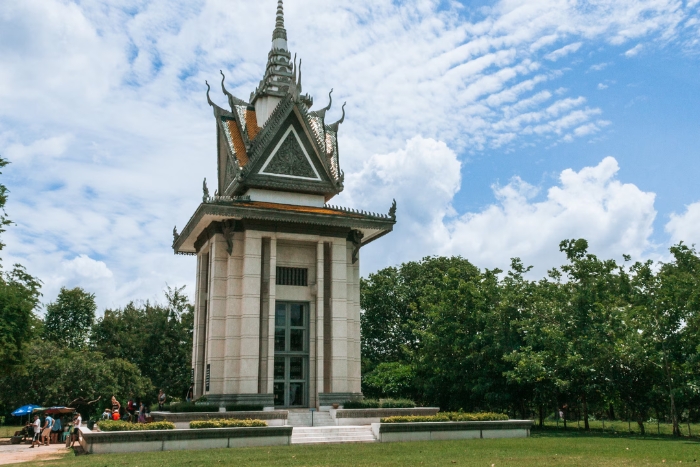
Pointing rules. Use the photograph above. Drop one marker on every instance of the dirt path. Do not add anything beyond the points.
(15, 453)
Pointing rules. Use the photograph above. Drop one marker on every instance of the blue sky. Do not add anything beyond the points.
(501, 127)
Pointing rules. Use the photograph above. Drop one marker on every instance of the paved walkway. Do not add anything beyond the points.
(14, 453)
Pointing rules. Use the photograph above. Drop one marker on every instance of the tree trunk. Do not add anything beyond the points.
(640, 422)
(584, 401)
(611, 412)
(541, 416)
(669, 380)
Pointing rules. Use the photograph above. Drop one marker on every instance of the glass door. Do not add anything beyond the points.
(291, 354)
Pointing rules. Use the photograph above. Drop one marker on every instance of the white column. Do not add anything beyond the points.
(233, 316)
(339, 382)
(271, 322)
(250, 313)
(217, 313)
(318, 363)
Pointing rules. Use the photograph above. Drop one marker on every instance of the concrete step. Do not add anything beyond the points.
(297, 419)
(341, 434)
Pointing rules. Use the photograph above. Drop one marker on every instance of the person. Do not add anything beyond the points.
(75, 435)
(142, 413)
(107, 414)
(46, 432)
(161, 400)
(131, 409)
(116, 408)
(56, 430)
(190, 393)
(36, 425)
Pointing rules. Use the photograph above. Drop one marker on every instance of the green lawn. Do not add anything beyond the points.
(623, 427)
(544, 449)
(7, 431)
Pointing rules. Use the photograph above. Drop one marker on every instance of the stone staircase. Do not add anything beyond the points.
(333, 434)
(302, 418)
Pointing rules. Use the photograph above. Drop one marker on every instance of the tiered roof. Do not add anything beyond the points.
(309, 162)
(288, 149)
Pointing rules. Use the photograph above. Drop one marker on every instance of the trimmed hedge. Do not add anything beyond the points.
(181, 407)
(118, 425)
(226, 423)
(448, 417)
(383, 404)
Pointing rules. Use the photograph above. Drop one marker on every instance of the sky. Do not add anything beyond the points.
(500, 127)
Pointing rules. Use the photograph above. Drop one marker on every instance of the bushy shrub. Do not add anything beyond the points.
(226, 423)
(119, 425)
(448, 417)
(383, 404)
(396, 404)
(363, 404)
(181, 407)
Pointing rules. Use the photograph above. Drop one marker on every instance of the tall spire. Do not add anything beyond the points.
(279, 36)
(278, 72)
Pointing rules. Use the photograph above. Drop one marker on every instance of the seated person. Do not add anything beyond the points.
(107, 414)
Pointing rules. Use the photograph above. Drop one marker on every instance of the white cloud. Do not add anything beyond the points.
(615, 218)
(103, 102)
(599, 66)
(634, 51)
(602, 86)
(45, 147)
(685, 227)
(563, 52)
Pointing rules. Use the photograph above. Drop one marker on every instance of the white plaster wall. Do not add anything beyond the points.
(285, 197)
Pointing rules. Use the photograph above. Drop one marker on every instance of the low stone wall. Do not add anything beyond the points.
(354, 417)
(435, 431)
(176, 440)
(182, 419)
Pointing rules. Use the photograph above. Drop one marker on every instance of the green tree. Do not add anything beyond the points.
(19, 299)
(69, 319)
(666, 301)
(157, 339)
(55, 375)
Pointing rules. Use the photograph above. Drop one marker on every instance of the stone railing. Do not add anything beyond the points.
(182, 419)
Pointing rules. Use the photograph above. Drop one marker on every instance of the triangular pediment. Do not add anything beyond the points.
(290, 159)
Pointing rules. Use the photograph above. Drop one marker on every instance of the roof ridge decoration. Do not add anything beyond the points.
(247, 143)
(390, 216)
(334, 126)
(232, 100)
(321, 113)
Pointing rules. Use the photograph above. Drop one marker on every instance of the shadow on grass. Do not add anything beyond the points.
(554, 432)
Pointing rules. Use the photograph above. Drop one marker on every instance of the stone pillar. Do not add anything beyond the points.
(250, 313)
(199, 332)
(271, 321)
(265, 305)
(339, 318)
(217, 313)
(233, 316)
(320, 311)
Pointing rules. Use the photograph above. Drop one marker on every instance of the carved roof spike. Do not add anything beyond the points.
(209, 98)
(175, 234)
(299, 82)
(335, 125)
(205, 190)
(293, 85)
(392, 210)
(232, 100)
(322, 112)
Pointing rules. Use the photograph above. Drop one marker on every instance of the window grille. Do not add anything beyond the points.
(292, 276)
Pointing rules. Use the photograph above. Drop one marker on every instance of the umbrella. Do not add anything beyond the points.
(58, 410)
(25, 410)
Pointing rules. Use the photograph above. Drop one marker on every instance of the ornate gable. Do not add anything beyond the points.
(275, 141)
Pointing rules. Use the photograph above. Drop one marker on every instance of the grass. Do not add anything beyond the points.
(8, 431)
(543, 449)
(622, 427)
